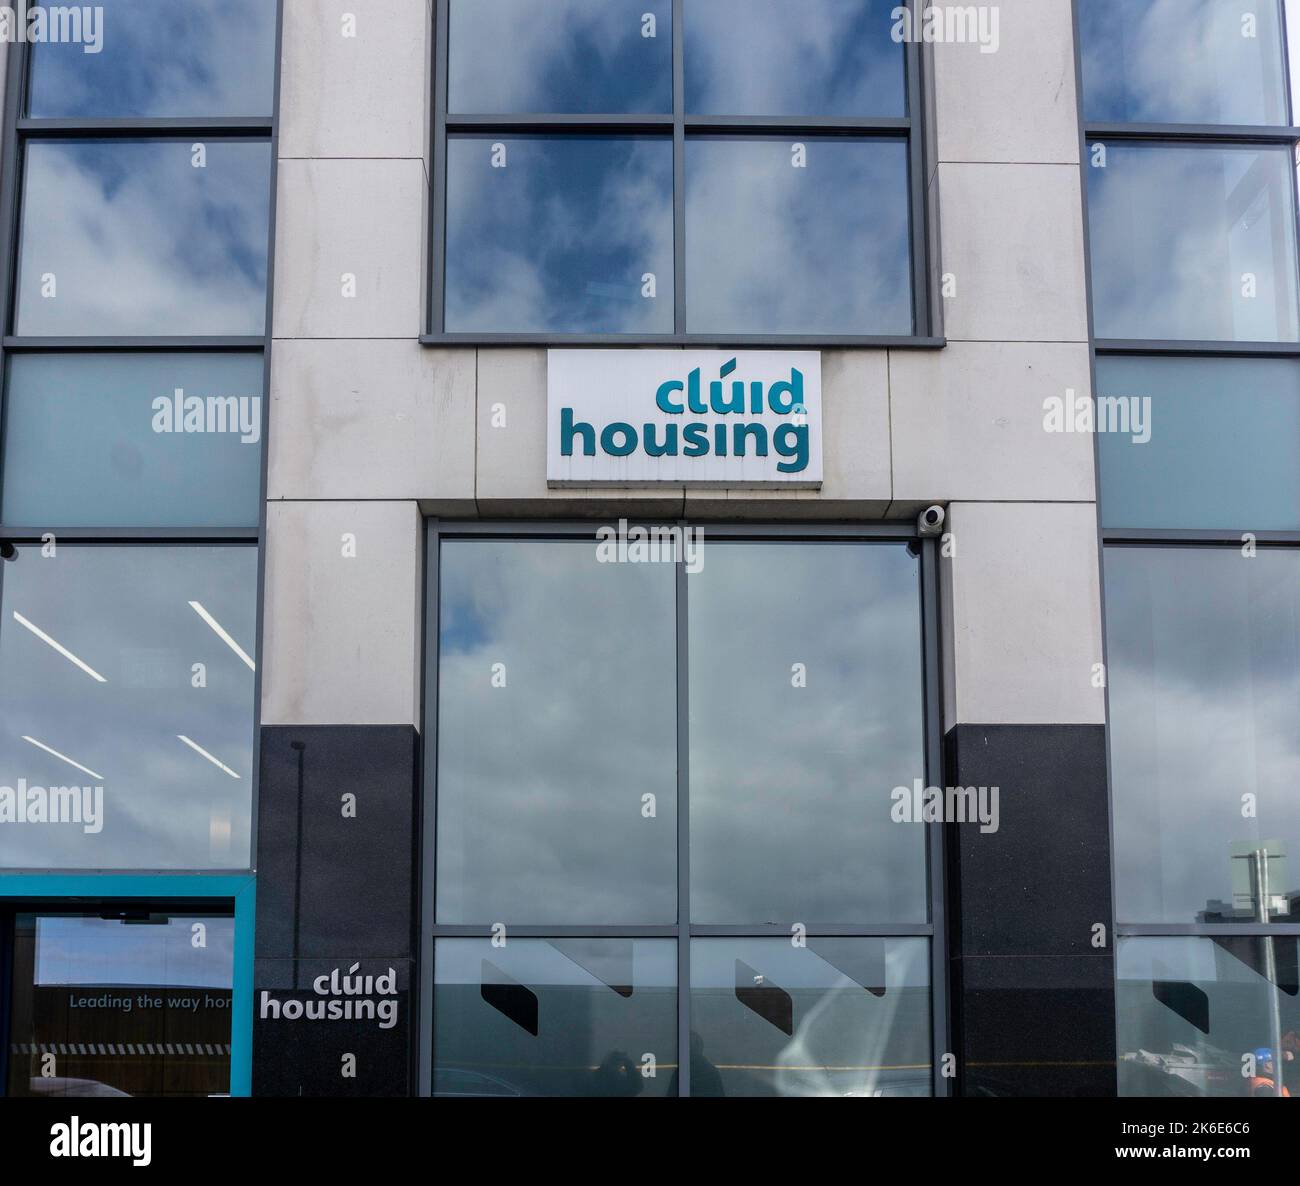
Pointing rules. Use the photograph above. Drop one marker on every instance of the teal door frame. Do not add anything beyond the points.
(68, 891)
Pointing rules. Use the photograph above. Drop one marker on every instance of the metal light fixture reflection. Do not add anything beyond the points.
(62, 757)
(221, 633)
(198, 749)
(67, 654)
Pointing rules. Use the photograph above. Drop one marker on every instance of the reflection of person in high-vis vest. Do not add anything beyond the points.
(1261, 1083)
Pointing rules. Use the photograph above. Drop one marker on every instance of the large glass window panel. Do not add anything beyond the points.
(556, 718)
(155, 58)
(840, 1017)
(805, 714)
(132, 440)
(1204, 665)
(1192, 242)
(571, 1017)
(819, 58)
(1182, 61)
(1208, 1017)
(143, 237)
(803, 235)
(565, 57)
(126, 706)
(559, 234)
(1223, 439)
(129, 1005)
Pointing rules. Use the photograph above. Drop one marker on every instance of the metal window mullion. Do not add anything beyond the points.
(1223, 349)
(146, 126)
(523, 122)
(1287, 97)
(813, 125)
(1206, 930)
(544, 931)
(679, 171)
(1193, 536)
(225, 343)
(130, 534)
(11, 98)
(427, 867)
(9, 193)
(683, 826)
(1192, 133)
(264, 466)
(719, 340)
(437, 258)
(936, 851)
(920, 930)
(583, 529)
(917, 238)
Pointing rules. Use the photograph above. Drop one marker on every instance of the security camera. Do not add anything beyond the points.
(8, 551)
(930, 521)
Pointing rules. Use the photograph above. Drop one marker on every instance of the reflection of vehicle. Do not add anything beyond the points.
(454, 1081)
(1184, 1071)
(72, 1087)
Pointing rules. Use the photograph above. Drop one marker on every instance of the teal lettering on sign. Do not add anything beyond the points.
(728, 398)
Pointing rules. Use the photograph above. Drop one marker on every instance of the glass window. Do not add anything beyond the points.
(815, 58)
(806, 713)
(554, 795)
(1193, 242)
(555, 234)
(132, 440)
(143, 238)
(156, 58)
(571, 1017)
(572, 57)
(1182, 61)
(806, 236)
(126, 706)
(556, 717)
(567, 223)
(840, 1017)
(1204, 653)
(121, 1004)
(1208, 1017)
(1221, 440)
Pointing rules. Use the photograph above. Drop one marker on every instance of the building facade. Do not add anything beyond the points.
(443, 721)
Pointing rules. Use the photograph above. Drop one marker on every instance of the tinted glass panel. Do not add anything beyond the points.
(1182, 61)
(1205, 753)
(567, 56)
(816, 58)
(131, 238)
(839, 1017)
(124, 1007)
(1206, 1016)
(126, 718)
(134, 440)
(561, 235)
(575, 1017)
(1193, 242)
(159, 58)
(1223, 435)
(775, 248)
(544, 652)
(806, 713)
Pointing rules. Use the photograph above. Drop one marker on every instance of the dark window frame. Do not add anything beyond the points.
(909, 129)
(935, 930)
(1107, 538)
(16, 132)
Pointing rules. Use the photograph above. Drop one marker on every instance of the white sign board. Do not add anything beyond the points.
(690, 417)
